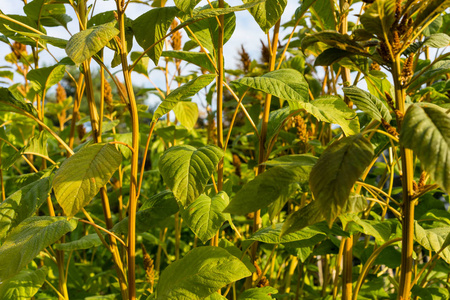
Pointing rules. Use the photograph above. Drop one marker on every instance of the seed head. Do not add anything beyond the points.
(19, 49)
(175, 39)
(265, 53)
(60, 93)
(245, 59)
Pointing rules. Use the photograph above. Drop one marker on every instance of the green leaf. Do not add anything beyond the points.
(24, 285)
(207, 30)
(197, 58)
(438, 69)
(261, 293)
(44, 78)
(186, 5)
(368, 103)
(426, 130)
(84, 44)
(204, 216)
(186, 113)
(200, 273)
(379, 18)
(432, 9)
(37, 145)
(292, 160)
(152, 26)
(28, 239)
(271, 234)
(267, 13)
(333, 39)
(268, 187)
(331, 109)
(86, 242)
(9, 103)
(287, 84)
(81, 176)
(214, 12)
(437, 40)
(187, 90)
(331, 190)
(23, 204)
(57, 42)
(379, 230)
(331, 56)
(433, 239)
(306, 216)
(186, 170)
(154, 210)
(276, 122)
(8, 28)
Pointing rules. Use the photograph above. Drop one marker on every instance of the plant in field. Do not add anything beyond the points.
(320, 171)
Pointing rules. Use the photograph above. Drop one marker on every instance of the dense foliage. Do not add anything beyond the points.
(319, 170)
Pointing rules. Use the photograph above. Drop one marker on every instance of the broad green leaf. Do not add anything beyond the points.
(151, 27)
(57, 42)
(379, 17)
(200, 273)
(44, 78)
(37, 145)
(187, 90)
(207, 30)
(433, 239)
(86, 242)
(197, 58)
(276, 122)
(437, 40)
(9, 103)
(28, 239)
(23, 204)
(267, 13)
(186, 113)
(186, 170)
(292, 160)
(287, 84)
(430, 11)
(214, 12)
(438, 69)
(331, 56)
(8, 28)
(266, 188)
(186, 5)
(142, 65)
(325, 10)
(333, 39)
(261, 293)
(24, 285)
(88, 42)
(330, 109)
(368, 103)
(331, 190)
(271, 234)
(154, 210)
(215, 296)
(204, 216)
(426, 130)
(306, 216)
(379, 230)
(81, 176)
(303, 8)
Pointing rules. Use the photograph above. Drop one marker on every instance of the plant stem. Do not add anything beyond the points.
(408, 192)
(219, 84)
(134, 158)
